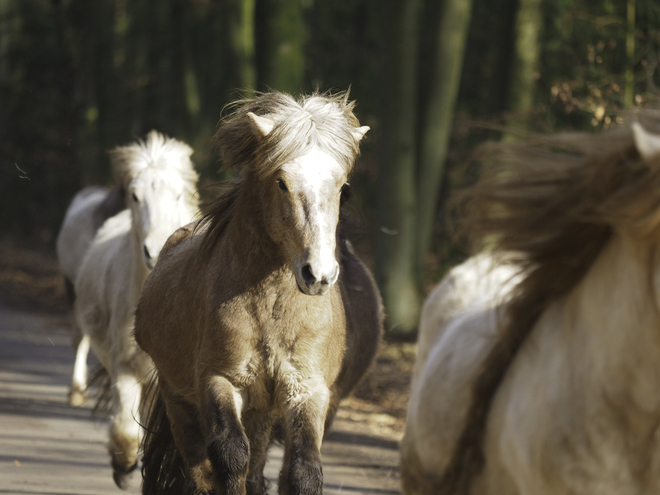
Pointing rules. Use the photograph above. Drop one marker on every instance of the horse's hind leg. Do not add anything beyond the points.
(124, 426)
(77, 394)
(190, 441)
(227, 445)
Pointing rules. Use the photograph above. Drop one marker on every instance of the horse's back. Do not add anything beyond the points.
(364, 319)
(87, 212)
(458, 328)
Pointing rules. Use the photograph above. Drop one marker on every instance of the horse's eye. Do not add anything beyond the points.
(346, 193)
(282, 185)
(135, 198)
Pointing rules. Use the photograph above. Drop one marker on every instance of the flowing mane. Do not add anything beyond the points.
(323, 120)
(158, 152)
(550, 206)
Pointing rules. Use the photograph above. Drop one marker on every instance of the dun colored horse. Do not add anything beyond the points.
(160, 185)
(538, 368)
(262, 318)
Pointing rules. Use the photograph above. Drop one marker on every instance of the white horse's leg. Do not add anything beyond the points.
(125, 428)
(80, 341)
(77, 394)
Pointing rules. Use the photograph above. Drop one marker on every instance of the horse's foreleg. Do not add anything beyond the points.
(302, 473)
(77, 394)
(124, 426)
(227, 445)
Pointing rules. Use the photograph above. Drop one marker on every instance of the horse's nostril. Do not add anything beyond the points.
(307, 275)
(146, 253)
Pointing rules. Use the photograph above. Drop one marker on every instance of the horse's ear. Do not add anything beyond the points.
(359, 132)
(647, 143)
(261, 125)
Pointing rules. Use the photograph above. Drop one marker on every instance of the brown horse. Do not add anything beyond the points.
(260, 318)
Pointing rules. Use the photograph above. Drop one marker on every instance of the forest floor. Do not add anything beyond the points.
(31, 281)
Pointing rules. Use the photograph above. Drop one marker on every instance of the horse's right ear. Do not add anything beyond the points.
(647, 143)
(261, 125)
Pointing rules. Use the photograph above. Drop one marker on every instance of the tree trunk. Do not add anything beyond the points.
(397, 188)
(241, 42)
(629, 94)
(526, 60)
(439, 103)
(279, 36)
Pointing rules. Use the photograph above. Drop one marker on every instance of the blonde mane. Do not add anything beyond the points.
(549, 205)
(158, 152)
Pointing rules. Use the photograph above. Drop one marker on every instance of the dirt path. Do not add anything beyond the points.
(50, 448)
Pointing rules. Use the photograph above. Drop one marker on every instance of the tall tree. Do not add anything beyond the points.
(395, 241)
(241, 41)
(520, 99)
(453, 20)
(280, 37)
(629, 92)
(414, 154)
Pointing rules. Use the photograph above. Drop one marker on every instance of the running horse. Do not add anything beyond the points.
(161, 196)
(261, 318)
(537, 371)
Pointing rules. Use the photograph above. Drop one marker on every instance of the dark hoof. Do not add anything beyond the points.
(126, 478)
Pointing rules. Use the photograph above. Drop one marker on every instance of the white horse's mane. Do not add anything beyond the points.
(158, 152)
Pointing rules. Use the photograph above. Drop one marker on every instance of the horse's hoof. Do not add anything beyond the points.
(77, 398)
(126, 479)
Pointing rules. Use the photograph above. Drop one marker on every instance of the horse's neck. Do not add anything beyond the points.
(613, 319)
(246, 238)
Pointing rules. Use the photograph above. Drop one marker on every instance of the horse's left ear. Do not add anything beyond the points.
(359, 132)
(647, 143)
(261, 125)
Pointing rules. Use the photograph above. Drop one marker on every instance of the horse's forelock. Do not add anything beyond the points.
(325, 121)
(160, 153)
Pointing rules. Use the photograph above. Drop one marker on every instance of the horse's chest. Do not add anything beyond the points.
(281, 350)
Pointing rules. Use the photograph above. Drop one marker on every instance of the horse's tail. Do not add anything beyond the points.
(163, 468)
(100, 386)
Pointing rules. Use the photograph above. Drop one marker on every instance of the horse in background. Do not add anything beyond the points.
(538, 369)
(160, 185)
(260, 319)
(87, 212)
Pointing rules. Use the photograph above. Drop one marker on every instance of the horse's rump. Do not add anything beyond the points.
(458, 329)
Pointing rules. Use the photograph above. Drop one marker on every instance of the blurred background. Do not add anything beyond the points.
(433, 79)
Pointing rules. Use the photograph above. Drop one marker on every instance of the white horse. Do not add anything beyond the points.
(160, 186)
(538, 371)
(88, 211)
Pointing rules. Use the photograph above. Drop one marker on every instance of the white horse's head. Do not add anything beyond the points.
(302, 203)
(160, 184)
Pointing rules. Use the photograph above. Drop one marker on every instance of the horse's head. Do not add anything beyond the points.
(302, 198)
(159, 206)
(160, 184)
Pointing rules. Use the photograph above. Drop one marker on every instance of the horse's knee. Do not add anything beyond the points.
(229, 453)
